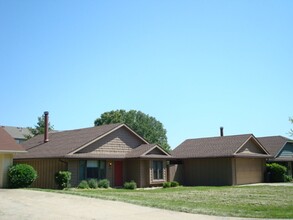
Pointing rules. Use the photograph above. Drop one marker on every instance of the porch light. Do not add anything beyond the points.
(110, 164)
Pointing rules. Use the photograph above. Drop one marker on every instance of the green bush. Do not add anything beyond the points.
(277, 172)
(21, 175)
(104, 183)
(62, 178)
(83, 185)
(93, 183)
(288, 178)
(166, 184)
(174, 184)
(130, 185)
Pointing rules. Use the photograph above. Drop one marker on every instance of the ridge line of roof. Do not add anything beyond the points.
(236, 135)
(77, 129)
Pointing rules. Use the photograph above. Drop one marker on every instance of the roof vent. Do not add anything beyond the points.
(222, 131)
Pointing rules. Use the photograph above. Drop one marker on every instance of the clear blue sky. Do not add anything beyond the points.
(193, 65)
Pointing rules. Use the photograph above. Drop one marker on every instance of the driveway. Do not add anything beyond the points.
(28, 204)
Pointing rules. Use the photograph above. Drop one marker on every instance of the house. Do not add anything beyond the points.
(18, 133)
(281, 149)
(114, 152)
(223, 160)
(8, 147)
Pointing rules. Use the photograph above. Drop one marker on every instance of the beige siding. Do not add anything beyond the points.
(249, 170)
(5, 162)
(144, 173)
(155, 151)
(110, 172)
(141, 172)
(132, 167)
(251, 147)
(73, 167)
(208, 172)
(46, 169)
(119, 141)
(175, 173)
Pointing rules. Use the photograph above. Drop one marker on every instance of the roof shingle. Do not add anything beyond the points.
(225, 146)
(62, 143)
(7, 143)
(273, 143)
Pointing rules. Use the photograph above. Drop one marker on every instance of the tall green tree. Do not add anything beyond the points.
(146, 126)
(39, 127)
(291, 131)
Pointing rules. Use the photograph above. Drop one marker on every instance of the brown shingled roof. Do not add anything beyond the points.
(225, 146)
(65, 142)
(8, 144)
(143, 150)
(273, 143)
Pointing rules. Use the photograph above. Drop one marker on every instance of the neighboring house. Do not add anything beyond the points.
(7, 148)
(18, 133)
(281, 148)
(113, 152)
(224, 160)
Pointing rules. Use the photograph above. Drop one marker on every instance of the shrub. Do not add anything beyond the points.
(21, 175)
(62, 178)
(83, 185)
(93, 183)
(288, 178)
(130, 185)
(166, 184)
(174, 184)
(277, 172)
(104, 183)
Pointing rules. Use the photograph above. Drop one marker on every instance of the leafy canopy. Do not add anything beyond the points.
(39, 128)
(146, 126)
(291, 131)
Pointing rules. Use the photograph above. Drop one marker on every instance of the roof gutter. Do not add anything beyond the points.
(13, 151)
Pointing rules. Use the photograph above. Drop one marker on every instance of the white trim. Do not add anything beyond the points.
(258, 143)
(12, 151)
(156, 146)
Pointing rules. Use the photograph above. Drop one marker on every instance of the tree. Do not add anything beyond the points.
(291, 131)
(146, 126)
(39, 128)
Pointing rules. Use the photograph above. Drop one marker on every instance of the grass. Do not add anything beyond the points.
(244, 201)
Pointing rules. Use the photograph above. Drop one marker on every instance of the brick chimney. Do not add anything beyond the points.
(222, 131)
(46, 132)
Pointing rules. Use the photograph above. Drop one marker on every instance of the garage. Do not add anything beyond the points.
(249, 170)
(8, 147)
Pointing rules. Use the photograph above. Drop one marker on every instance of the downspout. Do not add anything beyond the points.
(234, 171)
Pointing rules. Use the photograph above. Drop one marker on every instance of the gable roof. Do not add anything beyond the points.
(148, 151)
(274, 144)
(66, 143)
(8, 144)
(17, 132)
(225, 146)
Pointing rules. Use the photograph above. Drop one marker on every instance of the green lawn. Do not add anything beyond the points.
(241, 201)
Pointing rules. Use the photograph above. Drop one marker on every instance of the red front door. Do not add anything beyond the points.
(118, 172)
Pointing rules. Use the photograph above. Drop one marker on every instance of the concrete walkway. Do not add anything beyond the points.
(269, 184)
(28, 204)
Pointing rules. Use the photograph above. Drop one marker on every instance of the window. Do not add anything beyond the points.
(158, 170)
(92, 169)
